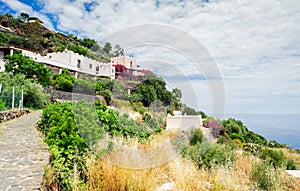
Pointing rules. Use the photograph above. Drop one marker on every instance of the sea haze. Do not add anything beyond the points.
(281, 128)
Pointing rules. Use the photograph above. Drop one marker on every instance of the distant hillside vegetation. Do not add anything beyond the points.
(29, 33)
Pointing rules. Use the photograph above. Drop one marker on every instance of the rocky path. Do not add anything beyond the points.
(23, 155)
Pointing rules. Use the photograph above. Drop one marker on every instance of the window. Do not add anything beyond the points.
(97, 68)
(113, 61)
(78, 63)
(91, 66)
(130, 64)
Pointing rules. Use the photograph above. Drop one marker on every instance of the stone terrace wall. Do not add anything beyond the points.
(12, 114)
(61, 96)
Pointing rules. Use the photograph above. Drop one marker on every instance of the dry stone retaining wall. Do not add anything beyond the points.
(12, 114)
(62, 96)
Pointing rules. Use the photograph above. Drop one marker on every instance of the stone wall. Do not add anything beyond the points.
(12, 114)
(61, 96)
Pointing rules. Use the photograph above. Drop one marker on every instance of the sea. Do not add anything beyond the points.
(283, 128)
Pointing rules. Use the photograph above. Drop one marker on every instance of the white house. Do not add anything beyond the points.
(75, 63)
(80, 64)
(183, 122)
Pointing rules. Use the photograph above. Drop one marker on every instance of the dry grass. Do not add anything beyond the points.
(106, 176)
(103, 176)
(293, 155)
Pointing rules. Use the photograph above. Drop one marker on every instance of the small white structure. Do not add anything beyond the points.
(5, 29)
(2, 68)
(183, 122)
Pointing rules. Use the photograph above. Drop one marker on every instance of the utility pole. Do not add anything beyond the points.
(0, 88)
(13, 98)
(22, 99)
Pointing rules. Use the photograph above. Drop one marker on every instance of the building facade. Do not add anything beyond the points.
(183, 122)
(78, 65)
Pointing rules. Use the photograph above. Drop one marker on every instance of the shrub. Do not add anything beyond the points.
(2, 105)
(274, 144)
(221, 140)
(265, 176)
(196, 136)
(34, 96)
(121, 103)
(234, 136)
(206, 155)
(135, 98)
(67, 147)
(19, 64)
(251, 137)
(252, 148)
(138, 107)
(217, 128)
(273, 157)
(64, 81)
(290, 165)
(151, 121)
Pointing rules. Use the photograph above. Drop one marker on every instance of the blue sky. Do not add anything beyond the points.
(255, 44)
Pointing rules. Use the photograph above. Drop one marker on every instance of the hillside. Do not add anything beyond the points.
(95, 147)
(29, 33)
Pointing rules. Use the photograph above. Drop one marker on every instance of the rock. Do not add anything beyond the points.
(166, 186)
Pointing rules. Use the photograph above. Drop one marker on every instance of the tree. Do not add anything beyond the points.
(88, 43)
(118, 51)
(79, 49)
(107, 48)
(148, 94)
(24, 17)
(19, 64)
(177, 93)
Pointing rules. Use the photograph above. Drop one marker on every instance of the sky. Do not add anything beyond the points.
(253, 47)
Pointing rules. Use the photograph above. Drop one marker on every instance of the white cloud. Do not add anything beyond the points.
(255, 43)
(17, 5)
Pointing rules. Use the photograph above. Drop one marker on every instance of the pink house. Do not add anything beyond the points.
(128, 62)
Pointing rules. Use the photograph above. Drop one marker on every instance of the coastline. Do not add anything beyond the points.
(283, 128)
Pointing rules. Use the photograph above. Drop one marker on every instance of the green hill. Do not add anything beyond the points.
(29, 33)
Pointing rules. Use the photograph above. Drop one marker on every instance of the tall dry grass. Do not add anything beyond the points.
(184, 173)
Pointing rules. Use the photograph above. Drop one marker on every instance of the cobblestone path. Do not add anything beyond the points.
(23, 155)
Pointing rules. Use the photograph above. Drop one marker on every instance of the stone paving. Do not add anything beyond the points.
(23, 155)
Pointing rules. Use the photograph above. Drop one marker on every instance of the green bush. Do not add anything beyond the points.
(67, 147)
(116, 124)
(251, 137)
(208, 156)
(252, 148)
(265, 176)
(138, 107)
(64, 81)
(290, 165)
(121, 103)
(2, 105)
(34, 96)
(197, 136)
(221, 140)
(233, 136)
(19, 64)
(273, 157)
